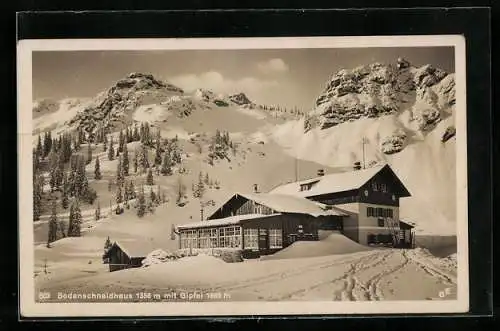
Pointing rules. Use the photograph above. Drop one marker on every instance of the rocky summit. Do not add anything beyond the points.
(112, 107)
(375, 90)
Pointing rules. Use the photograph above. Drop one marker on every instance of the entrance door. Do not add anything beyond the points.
(263, 240)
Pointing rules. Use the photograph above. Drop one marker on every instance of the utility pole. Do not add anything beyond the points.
(363, 141)
(296, 169)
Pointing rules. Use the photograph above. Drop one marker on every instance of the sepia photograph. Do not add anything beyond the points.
(243, 176)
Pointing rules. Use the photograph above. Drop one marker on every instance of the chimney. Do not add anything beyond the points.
(321, 172)
(256, 188)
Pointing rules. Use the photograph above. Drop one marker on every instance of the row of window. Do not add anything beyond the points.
(380, 187)
(379, 212)
(229, 237)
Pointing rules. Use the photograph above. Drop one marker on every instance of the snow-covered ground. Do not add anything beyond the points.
(373, 275)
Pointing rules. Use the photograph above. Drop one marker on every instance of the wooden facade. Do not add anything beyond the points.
(256, 236)
(265, 226)
(118, 259)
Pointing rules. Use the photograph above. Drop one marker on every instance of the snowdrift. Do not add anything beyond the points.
(332, 244)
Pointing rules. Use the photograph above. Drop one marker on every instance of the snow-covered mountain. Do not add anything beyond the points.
(138, 97)
(396, 114)
(416, 97)
(403, 114)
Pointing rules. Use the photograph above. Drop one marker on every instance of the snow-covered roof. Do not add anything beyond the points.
(331, 183)
(290, 204)
(137, 248)
(224, 221)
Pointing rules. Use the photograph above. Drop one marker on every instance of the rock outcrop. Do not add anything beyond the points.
(376, 90)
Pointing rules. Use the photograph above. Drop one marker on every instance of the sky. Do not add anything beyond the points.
(288, 77)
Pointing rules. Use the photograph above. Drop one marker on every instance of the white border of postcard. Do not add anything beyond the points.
(30, 308)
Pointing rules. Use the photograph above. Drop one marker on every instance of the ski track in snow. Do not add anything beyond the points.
(352, 287)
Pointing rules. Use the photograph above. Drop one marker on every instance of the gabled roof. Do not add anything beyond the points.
(282, 203)
(135, 249)
(332, 183)
(231, 220)
(291, 204)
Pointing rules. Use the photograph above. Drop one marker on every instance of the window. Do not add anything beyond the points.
(189, 239)
(374, 186)
(213, 237)
(204, 239)
(369, 212)
(383, 188)
(307, 186)
(275, 238)
(229, 237)
(251, 239)
(381, 222)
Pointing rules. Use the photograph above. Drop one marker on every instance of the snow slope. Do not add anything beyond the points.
(426, 165)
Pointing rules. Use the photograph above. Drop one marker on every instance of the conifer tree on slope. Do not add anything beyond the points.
(166, 165)
(105, 144)
(65, 193)
(125, 161)
(131, 190)
(141, 203)
(111, 150)
(75, 220)
(119, 194)
(97, 169)
(89, 153)
(136, 161)
(38, 182)
(52, 234)
(121, 142)
(149, 178)
(98, 211)
(158, 158)
(119, 172)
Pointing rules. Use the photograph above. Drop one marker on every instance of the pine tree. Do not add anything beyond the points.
(200, 187)
(158, 195)
(125, 162)
(89, 153)
(65, 198)
(119, 194)
(141, 203)
(119, 172)
(166, 165)
(149, 178)
(127, 136)
(111, 150)
(207, 179)
(121, 142)
(52, 234)
(158, 158)
(97, 170)
(107, 245)
(143, 158)
(136, 161)
(39, 147)
(75, 219)
(136, 135)
(152, 196)
(105, 144)
(37, 196)
(131, 190)
(98, 212)
(181, 191)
